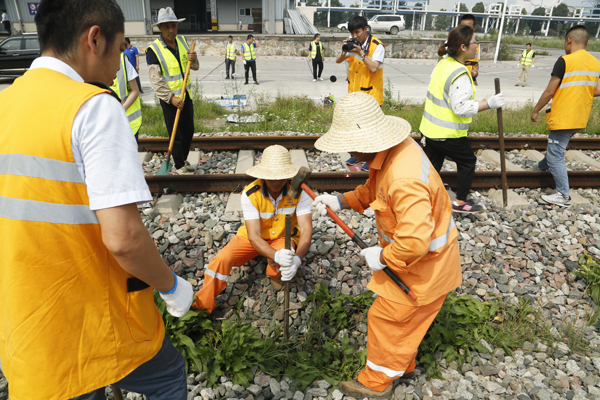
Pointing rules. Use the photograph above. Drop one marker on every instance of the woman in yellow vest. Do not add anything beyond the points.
(125, 86)
(571, 91)
(316, 55)
(230, 57)
(449, 109)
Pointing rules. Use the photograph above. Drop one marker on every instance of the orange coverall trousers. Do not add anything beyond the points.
(237, 253)
(395, 333)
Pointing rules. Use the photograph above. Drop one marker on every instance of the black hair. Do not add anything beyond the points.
(249, 37)
(528, 44)
(578, 37)
(127, 40)
(316, 35)
(60, 23)
(458, 36)
(468, 17)
(357, 22)
(229, 37)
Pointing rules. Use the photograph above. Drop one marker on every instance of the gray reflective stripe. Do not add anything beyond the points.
(40, 211)
(285, 211)
(178, 91)
(132, 117)
(436, 101)
(216, 275)
(122, 84)
(39, 167)
(579, 83)
(165, 68)
(380, 66)
(267, 215)
(183, 42)
(384, 236)
(359, 58)
(449, 82)
(445, 124)
(442, 240)
(581, 73)
(389, 372)
(424, 168)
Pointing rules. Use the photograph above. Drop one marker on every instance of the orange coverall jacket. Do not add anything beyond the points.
(414, 222)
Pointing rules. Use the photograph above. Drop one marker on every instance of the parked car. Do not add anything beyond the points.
(390, 24)
(343, 27)
(17, 53)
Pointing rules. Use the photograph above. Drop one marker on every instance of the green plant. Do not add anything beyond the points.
(590, 271)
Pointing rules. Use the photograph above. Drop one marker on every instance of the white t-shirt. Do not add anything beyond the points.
(131, 72)
(379, 53)
(104, 147)
(460, 93)
(5, 17)
(251, 212)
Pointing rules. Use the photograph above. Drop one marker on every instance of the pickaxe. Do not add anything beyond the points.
(299, 183)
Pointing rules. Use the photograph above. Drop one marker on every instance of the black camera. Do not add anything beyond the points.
(350, 45)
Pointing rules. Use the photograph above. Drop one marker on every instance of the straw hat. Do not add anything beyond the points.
(360, 125)
(275, 164)
(167, 15)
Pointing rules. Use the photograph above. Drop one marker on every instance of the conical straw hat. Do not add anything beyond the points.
(360, 125)
(275, 164)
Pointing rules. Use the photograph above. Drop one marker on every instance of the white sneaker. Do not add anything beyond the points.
(314, 80)
(182, 171)
(558, 199)
(320, 79)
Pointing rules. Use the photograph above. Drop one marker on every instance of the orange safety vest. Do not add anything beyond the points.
(272, 222)
(572, 101)
(68, 324)
(360, 79)
(470, 64)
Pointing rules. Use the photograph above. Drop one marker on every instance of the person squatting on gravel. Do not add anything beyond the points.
(265, 203)
(83, 315)
(571, 91)
(449, 110)
(416, 230)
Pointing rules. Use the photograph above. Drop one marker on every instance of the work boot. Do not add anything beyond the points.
(256, 83)
(359, 391)
(277, 285)
(245, 83)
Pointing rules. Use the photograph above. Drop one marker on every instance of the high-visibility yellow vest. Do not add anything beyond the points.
(572, 102)
(360, 79)
(75, 327)
(231, 51)
(249, 51)
(272, 222)
(439, 121)
(527, 58)
(172, 73)
(470, 64)
(313, 49)
(121, 87)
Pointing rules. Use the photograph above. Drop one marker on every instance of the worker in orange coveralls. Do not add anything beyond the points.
(416, 232)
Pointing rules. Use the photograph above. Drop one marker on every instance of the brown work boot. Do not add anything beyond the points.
(277, 285)
(359, 391)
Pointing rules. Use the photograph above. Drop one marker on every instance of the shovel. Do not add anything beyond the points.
(165, 168)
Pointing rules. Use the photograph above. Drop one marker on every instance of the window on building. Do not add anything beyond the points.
(242, 12)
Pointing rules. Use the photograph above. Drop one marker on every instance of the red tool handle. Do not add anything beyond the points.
(357, 239)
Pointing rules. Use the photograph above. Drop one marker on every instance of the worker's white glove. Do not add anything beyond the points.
(532, 65)
(372, 255)
(284, 257)
(180, 298)
(322, 202)
(287, 273)
(496, 101)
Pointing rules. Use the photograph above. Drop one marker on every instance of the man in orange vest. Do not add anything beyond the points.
(472, 64)
(572, 88)
(417, 237)
(68, 210)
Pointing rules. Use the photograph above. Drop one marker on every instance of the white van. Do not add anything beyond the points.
(387, 23)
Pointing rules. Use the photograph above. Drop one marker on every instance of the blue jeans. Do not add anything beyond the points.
(160, 378)
(554, 160)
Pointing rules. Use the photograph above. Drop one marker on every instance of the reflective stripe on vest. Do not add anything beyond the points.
(121, 87)
(313, 51)
(360, 78)
(439, 120)
(171, 71)
(231, 51)
(527, 57)
(249, 51)
(441, 241)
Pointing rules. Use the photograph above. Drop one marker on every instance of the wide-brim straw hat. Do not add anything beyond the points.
(359, 125)
(167, 15)
(275, 164)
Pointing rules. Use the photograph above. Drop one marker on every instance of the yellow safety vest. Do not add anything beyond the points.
(231, 51)
(527, 57)
(249, 51)
(360, 79)
(313, 51)
(572, 102)
(272, 222)
(121, 87)
(439, 121)
(171, 72)
(470, 64)
(75, 327)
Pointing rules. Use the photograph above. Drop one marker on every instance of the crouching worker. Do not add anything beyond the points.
(417, 237)
(265, 203)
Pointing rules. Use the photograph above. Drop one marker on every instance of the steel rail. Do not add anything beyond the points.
(342, 181)
(308, 142)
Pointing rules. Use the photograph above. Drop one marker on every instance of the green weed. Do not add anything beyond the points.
(590, 271)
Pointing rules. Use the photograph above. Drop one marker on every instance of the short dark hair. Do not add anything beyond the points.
(60, 23)
(528, 44)
(249, 37)
(357, 22)
(229, 37)
(316, 35)
(127, 40)
(578, 33)
(468, 17)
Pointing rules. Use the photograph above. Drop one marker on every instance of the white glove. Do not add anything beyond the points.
(532, 65)
(287, 273)
(496, 101)
(284, 257)
(372, 255)
(322, 202)
(180, 298)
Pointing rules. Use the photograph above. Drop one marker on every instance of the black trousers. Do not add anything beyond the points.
(231, 63)
(315, 65)
(457, 150)
(7, 26)
(250, 65)
(185, 129)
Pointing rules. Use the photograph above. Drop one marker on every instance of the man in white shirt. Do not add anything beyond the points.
(265, 203)
(6, 22)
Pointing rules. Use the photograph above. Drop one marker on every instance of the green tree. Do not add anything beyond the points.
(536, 25)
(561, 10)
(442, 22)
(463, 8)
(479, 8)
(409, 18)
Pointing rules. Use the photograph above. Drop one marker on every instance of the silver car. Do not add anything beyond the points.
(391, 24)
